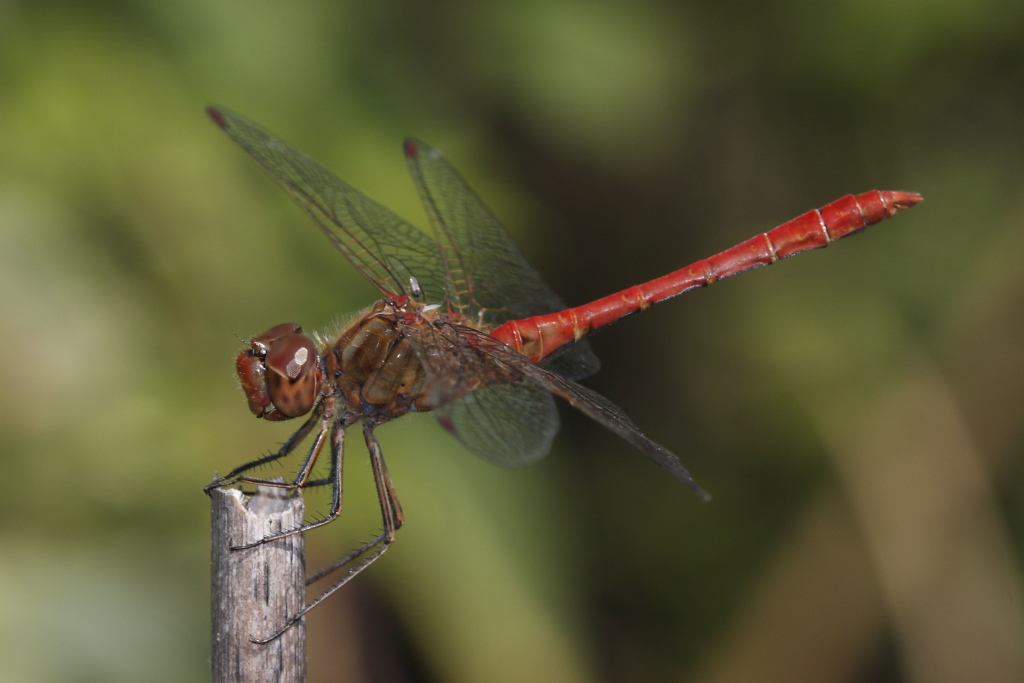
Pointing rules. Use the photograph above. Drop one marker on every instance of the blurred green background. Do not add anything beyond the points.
(857, 413)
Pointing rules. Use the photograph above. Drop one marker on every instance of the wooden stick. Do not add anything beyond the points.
(255, 591)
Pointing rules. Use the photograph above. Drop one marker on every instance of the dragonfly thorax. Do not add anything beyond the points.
(373, 367)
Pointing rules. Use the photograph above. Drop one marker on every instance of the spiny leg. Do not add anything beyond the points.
(391, 512)
(337, 456)
(294, 440)
(389, 504)
(302, 476)
(397, 515)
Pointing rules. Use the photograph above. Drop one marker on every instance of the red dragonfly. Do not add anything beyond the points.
(465, 328)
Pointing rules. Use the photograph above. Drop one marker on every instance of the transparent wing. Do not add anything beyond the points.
(586, 400)
(384, 248)
(488, 280)
(597, 407)
(511, 425)
(485, 404)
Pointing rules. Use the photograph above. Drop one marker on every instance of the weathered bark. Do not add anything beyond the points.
(255, 591)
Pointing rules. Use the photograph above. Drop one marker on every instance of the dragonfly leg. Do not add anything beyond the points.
(391, 513)
(325, 481)
(320, 415)
(397, 516)
(302, 477)
(337, 452)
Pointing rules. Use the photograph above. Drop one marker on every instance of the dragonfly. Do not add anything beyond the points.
(464, 328)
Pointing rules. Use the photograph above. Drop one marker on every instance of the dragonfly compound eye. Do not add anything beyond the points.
(249, 366)
(292, 374)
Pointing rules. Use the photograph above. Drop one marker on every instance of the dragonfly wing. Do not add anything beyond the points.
(384, 248)
(487, 278)
(574, 361)
(587, 401)
(597, 407)
(511, 425)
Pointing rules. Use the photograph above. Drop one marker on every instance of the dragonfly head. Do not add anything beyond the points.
(280, 373)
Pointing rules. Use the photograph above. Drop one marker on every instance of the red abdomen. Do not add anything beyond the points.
(540, 336)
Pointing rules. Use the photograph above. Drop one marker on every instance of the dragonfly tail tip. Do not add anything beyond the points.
(904, 200)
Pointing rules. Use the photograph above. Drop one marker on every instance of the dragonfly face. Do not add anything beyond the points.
(280, 373)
